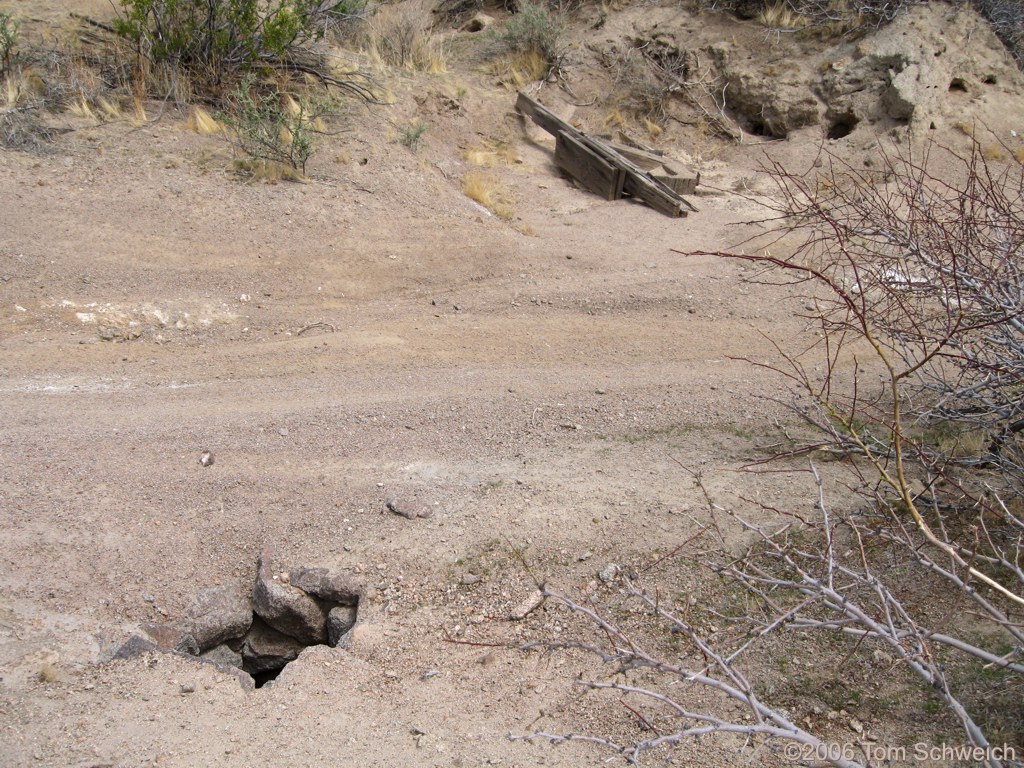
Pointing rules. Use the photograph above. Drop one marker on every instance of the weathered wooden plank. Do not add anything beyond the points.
(588, 168)
(544, 117)
(648, 161)
(681, 185)
(636, 182)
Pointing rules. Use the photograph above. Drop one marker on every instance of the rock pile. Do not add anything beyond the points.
(259, 632)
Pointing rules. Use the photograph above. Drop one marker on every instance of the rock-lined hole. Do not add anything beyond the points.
(842, 125)
(990, 80)
(257, 633)
(957, 84)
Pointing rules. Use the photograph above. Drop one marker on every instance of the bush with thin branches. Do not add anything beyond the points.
(912, 279)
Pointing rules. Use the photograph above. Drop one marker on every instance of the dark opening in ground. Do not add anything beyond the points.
(842, 125)
(259, 629)
(958, 84)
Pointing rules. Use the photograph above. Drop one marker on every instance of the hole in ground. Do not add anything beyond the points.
(958, 84)
(842, 125)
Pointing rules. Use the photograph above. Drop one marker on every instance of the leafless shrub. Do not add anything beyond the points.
(817, 574)
(1007, 22)
(912, 283)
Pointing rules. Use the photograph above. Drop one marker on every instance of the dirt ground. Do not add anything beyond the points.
(539, 383)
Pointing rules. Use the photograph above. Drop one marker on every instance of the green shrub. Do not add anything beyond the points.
(272, 128)
(534, 31)
(8, 35)
(218, 41)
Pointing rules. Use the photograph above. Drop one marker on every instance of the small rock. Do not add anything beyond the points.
(608, 573)
(527, 606)
(470, 579)
(585, 556)
(223, 656)
(218, 614)
(188, 688)
(169, 637)
(287, 608)
(340, 621)
(206, 459)
(334, 586)
(856, 726)
(283, 431)
(134, 646)
(404, 508)
(265, 649)
(430, 673)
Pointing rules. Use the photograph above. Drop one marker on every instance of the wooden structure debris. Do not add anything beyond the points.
(610, 169)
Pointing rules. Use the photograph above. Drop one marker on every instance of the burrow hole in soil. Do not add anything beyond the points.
(842, 125)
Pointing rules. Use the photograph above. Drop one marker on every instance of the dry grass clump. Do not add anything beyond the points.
(202, 122)
(486, 190)
(270, 171)
(400, 36)
(492, 153)
(516, 69)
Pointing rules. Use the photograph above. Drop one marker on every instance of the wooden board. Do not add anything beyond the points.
(681, 185)
(602, 167)
(592, 171)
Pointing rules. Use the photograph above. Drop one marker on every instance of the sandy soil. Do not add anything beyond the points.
(333, 343)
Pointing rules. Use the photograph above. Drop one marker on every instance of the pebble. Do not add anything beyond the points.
(470, 578)
(283, 431)
(585, 556)
(608, 573)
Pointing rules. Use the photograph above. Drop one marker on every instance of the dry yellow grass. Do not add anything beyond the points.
(400, 37)
(267, 170)
(519, 69)
(967, 129)
(653, 129)
(48, 673)
(486, 190)
(491, 153)
(994, 152)
(781, 16)
(203, 123)
(1019, 155)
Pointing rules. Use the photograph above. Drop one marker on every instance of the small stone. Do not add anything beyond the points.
(585, 556)
(600, 391)
(218, 614)
(470, 579)
(206, 459)
(283, 431)
(404, 508)
(134, 646)
(188, 688)
(527, 606)
(265, 649)
(608, 573)
(287, 608)
(340, 621)
(856, 726)
(430, 673)
(327, 584)
(223, 656)
(169, 637)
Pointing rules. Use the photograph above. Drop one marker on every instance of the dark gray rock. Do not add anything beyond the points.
(223, 656)
(286, 608)
(134, 646)
(218, 614)
(265, 649)
(407, 508)
(339, 623)
(333, 586)
(171, 637)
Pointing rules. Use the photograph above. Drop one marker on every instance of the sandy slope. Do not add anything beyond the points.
(368, 333)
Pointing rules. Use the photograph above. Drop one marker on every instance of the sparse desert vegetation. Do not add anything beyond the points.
(661, 489)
